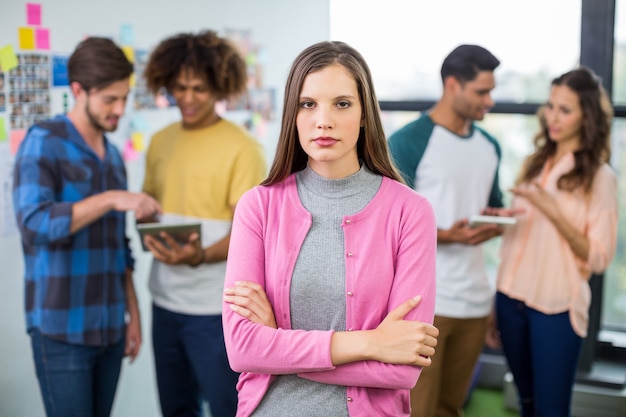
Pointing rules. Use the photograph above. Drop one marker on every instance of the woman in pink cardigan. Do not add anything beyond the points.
(330, 280)
(568, 194)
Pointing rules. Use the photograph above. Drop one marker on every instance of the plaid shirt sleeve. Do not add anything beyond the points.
(41, 219)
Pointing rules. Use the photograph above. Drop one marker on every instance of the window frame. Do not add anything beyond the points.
(597, 28)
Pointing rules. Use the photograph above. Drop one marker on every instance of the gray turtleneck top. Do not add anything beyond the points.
(317, 297)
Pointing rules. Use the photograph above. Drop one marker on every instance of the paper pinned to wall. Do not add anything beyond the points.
(8, 225)
(128, 153)
(127, 34)
(129, 51)
(17, 136)
(42, 38)
(138, 142)
(8, 58)
(33, 14)
(3, 130)
(60, 77)
(26, 37)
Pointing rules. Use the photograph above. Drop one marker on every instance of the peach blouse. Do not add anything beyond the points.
(537, 264)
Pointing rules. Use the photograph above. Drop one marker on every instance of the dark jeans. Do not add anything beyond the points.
(542, 352)
(191, 365)
(76, 380)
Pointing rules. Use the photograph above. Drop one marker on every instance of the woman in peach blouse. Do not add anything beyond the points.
(567, 194)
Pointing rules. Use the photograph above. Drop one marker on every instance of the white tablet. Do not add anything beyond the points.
(180, 232)
(479, 220)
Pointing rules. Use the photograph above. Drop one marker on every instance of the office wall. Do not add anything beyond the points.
(282, 27)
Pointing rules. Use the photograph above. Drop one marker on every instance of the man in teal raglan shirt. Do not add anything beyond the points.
(448, 159)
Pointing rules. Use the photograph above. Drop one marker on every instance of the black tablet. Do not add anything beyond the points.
(180, 232)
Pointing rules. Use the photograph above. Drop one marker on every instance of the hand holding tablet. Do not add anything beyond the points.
(179, 232)
(480, 220)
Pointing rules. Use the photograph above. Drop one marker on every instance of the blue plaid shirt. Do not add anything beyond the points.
(74, 282)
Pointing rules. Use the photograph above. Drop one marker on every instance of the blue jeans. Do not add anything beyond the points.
(542, 352)
(76, 380)
(191, 365)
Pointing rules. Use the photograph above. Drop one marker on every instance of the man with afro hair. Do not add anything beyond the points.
(197, 168)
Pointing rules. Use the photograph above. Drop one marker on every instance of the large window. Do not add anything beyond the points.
(535, 40)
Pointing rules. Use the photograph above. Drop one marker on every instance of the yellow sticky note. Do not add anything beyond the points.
(132, 81)
(137, 140)
(130, 53)
(8, 59)
(26, 38)
(3, 130)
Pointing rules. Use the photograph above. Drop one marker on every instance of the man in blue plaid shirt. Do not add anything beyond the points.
(70, 200)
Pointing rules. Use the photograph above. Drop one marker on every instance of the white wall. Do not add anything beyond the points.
(283, 27)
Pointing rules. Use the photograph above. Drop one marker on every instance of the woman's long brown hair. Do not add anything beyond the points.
(372, 143)
(595, 145)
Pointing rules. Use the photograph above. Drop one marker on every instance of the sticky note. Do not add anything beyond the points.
(128, 153)
(3, 130)
(161, 101)
(42, 38)
(137, 141)
(26, 38)
(127, 36)
(129, 51)
(8, 59)
(139, 123)
(17, 136)
(33, 14)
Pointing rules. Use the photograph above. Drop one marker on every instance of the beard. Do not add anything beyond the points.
(95, 123)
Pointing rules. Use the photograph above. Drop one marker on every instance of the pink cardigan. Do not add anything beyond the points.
(390, 257)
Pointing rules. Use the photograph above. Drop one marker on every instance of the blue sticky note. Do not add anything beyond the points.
(139, 123)
(59, 71)
(127, 35)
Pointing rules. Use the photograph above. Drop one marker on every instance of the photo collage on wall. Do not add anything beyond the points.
(259, 100)
(143, 98)
(29, 90)
(3, 96)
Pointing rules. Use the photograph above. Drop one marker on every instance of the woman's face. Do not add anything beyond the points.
(328, 121)
(564, 117)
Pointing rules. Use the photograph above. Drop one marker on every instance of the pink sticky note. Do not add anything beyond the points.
(33, 14)
(129, 154)
(42, 38)
(17, 136)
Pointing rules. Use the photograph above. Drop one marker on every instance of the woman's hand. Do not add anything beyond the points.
(172, 253)
(540, 198)
(546, 204)
(492, 337)
(404, 342)
(249, 300)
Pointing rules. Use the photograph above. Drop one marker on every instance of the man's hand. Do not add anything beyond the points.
(501, 211)
(141, 203)
(169, 251)
(461, 232)
(133, 338)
